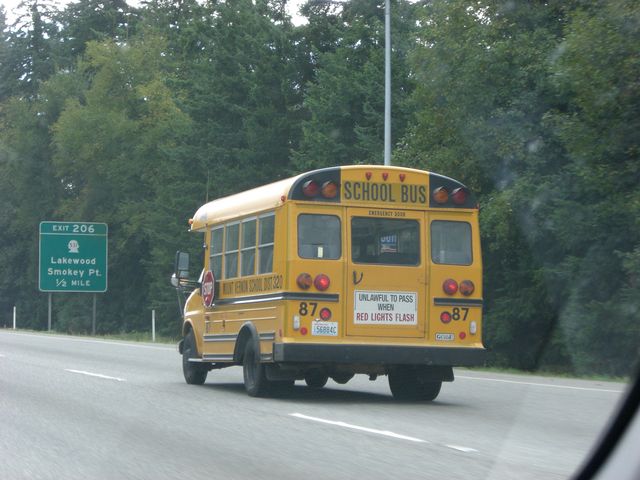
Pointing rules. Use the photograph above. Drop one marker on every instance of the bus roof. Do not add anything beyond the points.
(273, 195)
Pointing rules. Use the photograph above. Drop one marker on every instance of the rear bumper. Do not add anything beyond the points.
(378, 354)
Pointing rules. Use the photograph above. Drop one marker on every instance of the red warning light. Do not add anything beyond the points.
(450, 286)
(310, 188)
(322, 282)
(459, 196)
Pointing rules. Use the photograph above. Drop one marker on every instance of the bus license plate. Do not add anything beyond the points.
(329, 329)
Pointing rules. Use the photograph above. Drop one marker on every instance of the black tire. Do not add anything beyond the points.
(255, 378)
(342, 378)
(316, 379)
(407, 384)
(194, 373)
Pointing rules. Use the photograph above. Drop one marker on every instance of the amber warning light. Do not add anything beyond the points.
(458, 196)
(328, 190)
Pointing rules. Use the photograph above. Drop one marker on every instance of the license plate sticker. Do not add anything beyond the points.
(445, 337)
(327, 329)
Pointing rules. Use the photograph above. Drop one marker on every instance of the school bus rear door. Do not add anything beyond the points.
(386, 275)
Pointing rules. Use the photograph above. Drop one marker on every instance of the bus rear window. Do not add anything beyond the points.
(319, 236)
(385, 241)
(451, 243)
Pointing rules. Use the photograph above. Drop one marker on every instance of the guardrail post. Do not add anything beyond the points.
(153, 326)
(14, 317)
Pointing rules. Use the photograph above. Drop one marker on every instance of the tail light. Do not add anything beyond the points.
(322, 282)
(329, 189)
(325, 314)
(440, 195)
(310, 188)
(445, 317)
(304, 281)
(450, 286)
(467, 287)
(459, 196)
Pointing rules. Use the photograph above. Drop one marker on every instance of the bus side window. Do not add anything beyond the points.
(248, 251)
(265, 243)
(319, 236)
(215, 263)
(231, 247)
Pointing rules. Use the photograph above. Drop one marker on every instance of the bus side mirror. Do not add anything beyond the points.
(181, 266)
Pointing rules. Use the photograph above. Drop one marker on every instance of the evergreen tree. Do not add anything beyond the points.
(594, 215)
(30, 60)
(483, 91)
(92, 20)
(134, 125)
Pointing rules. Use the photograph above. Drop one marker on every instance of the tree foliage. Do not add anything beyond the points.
(525, 101)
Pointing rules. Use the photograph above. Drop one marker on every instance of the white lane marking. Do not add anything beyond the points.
(99, 375)
(90, 340)
(550, 385)
(356, 427)
(462, 449)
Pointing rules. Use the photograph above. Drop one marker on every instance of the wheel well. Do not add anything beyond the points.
(186, 327)
(248, 333)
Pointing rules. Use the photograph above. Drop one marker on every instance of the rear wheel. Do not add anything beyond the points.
(255, 378)
(342, 378)
(194, 373)
(316, 379)
(408, 383)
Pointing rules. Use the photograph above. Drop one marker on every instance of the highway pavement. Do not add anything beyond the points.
(79, 408)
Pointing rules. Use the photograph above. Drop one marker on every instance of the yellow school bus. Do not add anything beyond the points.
(340, 271)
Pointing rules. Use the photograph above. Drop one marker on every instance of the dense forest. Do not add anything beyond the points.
(133, 116)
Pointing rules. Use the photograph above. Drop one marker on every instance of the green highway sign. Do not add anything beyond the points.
(73, 257)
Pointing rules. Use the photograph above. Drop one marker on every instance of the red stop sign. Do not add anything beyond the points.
(208, 288)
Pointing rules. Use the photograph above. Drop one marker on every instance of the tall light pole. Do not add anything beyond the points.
(387, 74)
(387, 82)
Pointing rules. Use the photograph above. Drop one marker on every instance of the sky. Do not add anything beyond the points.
(9, 5)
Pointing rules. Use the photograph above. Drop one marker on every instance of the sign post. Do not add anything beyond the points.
(73, 258)
(93, 316)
